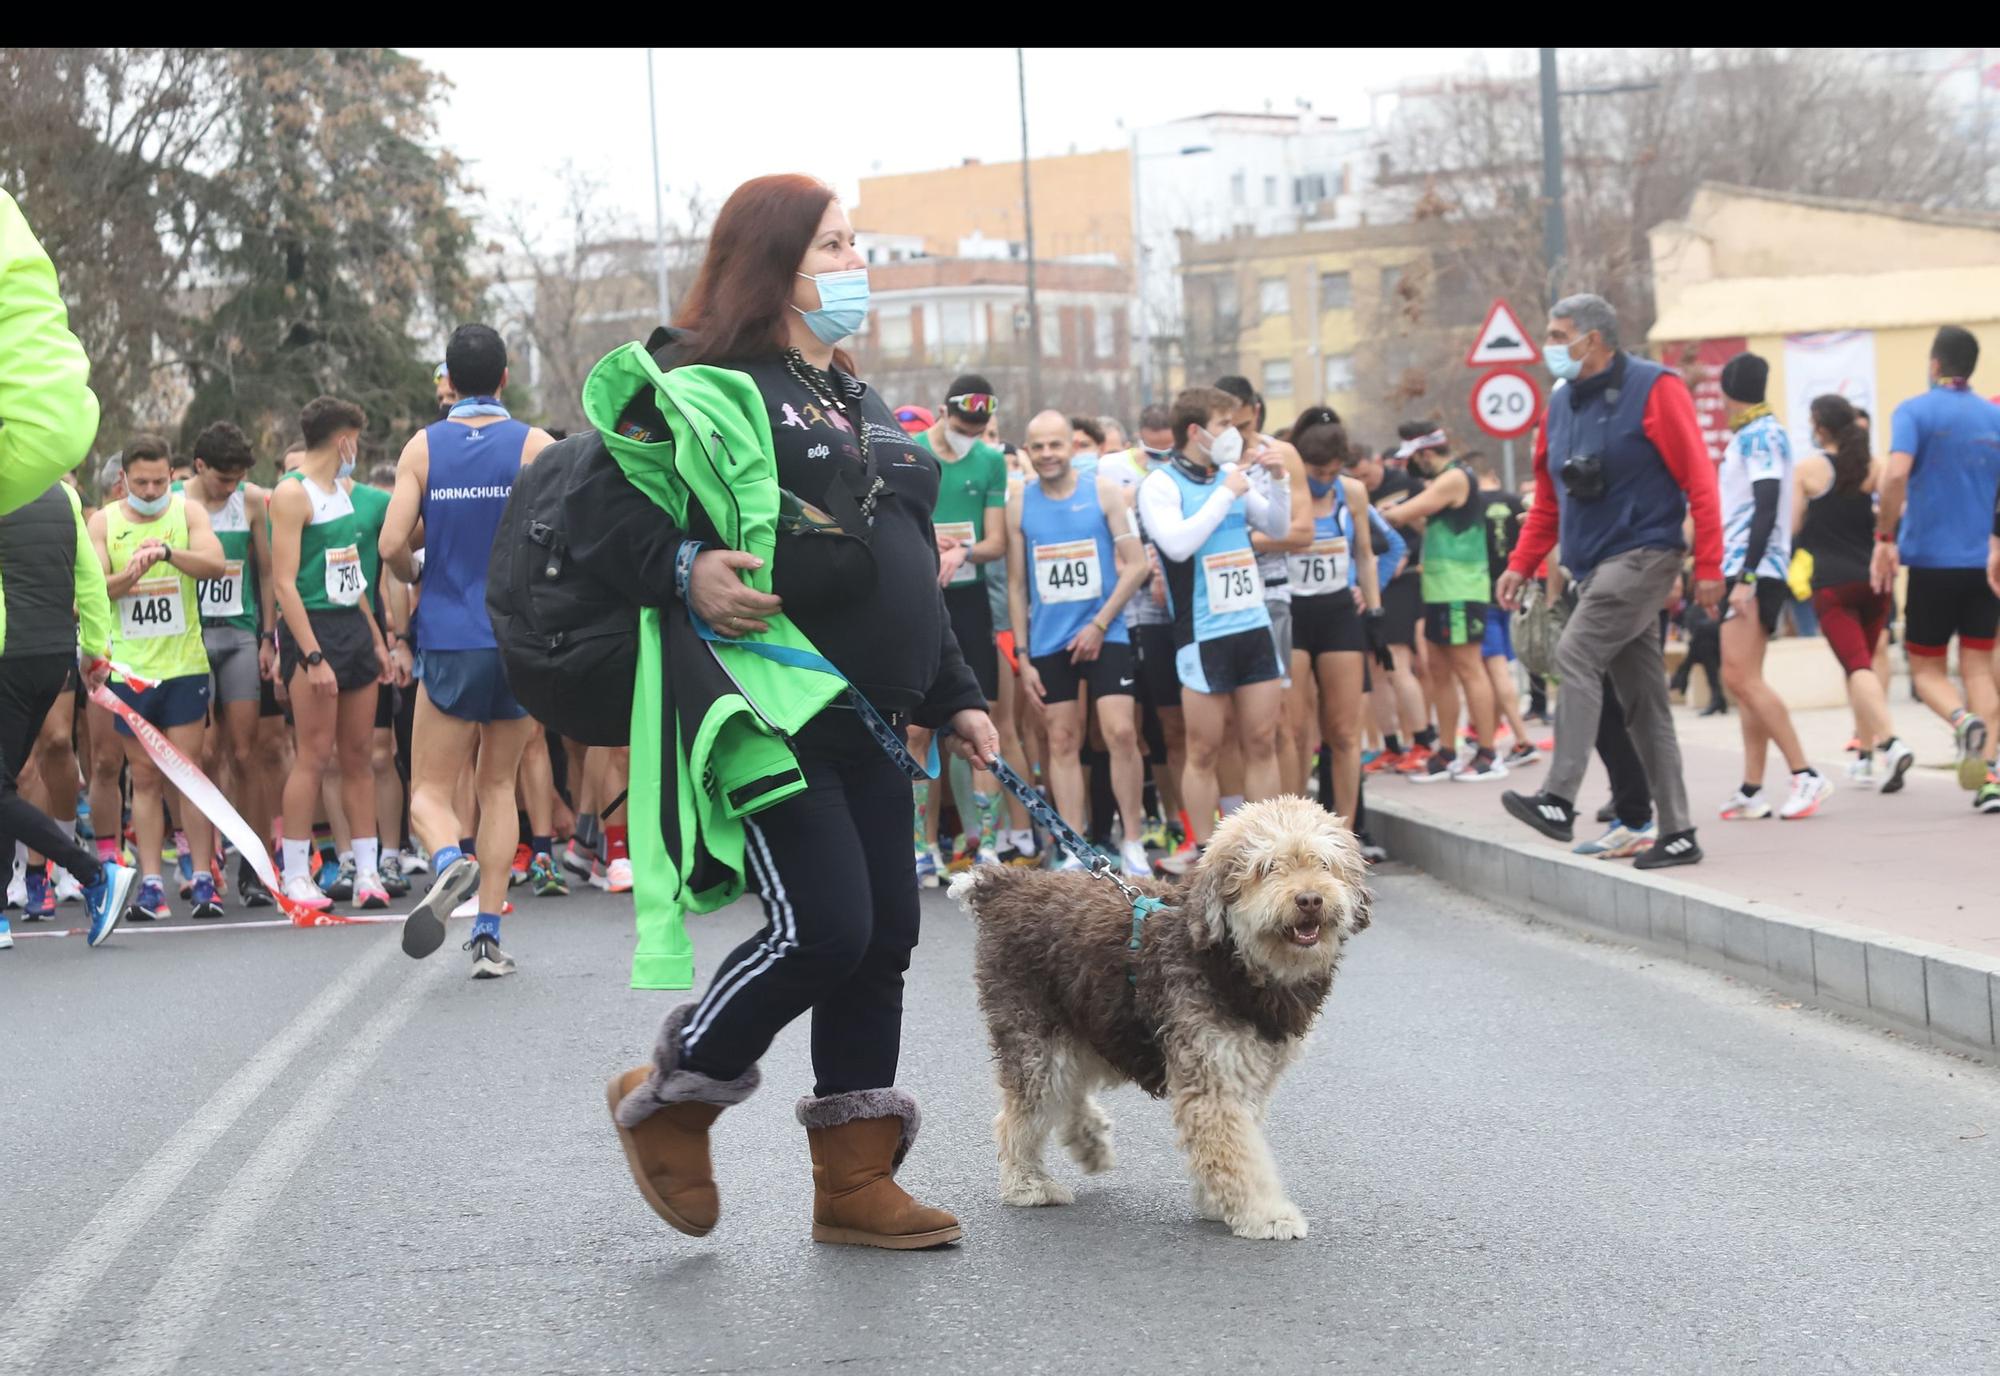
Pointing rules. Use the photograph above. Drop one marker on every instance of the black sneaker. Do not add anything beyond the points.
(1371, 849)
(250, 890)
(1676, 849)
(1546, 813)
(1607, 814)
(488, 960)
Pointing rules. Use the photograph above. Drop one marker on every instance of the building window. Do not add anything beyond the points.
(1309, 189)
(1270, 191)
(1105, 345)
(1236, 188)
(892, 334)
(1051, 331)
(1228, 311)
(1274, 297)
(1278, 378)
(955, 324)
(1339, 373)
(1336, 291)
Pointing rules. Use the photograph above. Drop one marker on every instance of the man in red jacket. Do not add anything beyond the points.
(1620, 463)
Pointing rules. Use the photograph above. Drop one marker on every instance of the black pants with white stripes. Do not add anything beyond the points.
(836, 870)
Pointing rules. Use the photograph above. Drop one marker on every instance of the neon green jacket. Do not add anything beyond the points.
(48, 414)
(727, 709)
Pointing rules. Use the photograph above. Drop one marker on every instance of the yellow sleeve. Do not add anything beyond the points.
(93, 602)
(48, 414)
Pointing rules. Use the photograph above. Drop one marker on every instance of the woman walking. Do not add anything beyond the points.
(814, 565)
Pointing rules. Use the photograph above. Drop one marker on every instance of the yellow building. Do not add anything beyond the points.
(1372, 321)
(1837, 295)
(1083, 205)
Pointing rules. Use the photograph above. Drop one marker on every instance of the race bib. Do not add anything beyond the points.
(344, 580)
(152, 610)
(961, 531)
(1233, 584)
(1320, 569)
(222, 597)
(1069, 572)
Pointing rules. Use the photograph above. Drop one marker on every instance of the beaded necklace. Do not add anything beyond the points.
(827, 396)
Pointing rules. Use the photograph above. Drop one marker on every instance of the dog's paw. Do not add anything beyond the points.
(1283, 1223)
(1030, 1192)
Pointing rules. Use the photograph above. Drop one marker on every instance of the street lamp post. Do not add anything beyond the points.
(659, 210)
(1145, 330)
(1553, 230)
(1028, 234)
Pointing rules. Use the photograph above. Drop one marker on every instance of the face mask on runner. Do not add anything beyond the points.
(1225, 448)
(843, 304)
(1320, 489)
(961, 445)
(149, 506)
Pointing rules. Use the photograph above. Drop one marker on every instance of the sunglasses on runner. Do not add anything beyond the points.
(974, 403)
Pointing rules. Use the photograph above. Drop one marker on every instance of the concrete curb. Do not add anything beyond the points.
(1935, 994)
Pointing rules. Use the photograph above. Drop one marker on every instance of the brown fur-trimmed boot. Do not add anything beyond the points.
(857, 1142)
(663, 1113)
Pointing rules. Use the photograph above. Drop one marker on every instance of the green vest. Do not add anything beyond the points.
(231, 600)
(1456, 568)
(331, 575)
(741, 747)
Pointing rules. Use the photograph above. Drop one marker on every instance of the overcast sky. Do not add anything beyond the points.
(516, 115)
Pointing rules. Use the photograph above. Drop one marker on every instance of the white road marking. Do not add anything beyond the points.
(44, 1307)
(159, 1335)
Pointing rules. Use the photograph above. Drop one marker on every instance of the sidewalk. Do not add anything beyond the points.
(1888, 907)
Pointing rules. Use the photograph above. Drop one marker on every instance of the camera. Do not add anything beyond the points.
(1583, 477)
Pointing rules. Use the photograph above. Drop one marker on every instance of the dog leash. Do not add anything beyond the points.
(1099, 866)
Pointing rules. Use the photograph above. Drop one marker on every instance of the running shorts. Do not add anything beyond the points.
(1455, 623)
(468, 684)
(1328, 624)
(1280, 610)
(1942, 603)
(345, 640)
(1499, 640)
(1851, 617)
(168, 703)
(1159, 678)
(232, 663)
(1111, 675)
(1772, 595)
(1403, 608)
(1228, 662)
(972, 623)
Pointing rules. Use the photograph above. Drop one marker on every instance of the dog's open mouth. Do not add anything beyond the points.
(1305, 933)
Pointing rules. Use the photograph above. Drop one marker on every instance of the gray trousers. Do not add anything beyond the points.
(1615, 630)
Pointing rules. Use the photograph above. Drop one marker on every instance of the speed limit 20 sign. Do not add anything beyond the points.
(1505, 403)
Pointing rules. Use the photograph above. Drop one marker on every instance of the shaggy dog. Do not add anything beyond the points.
(1208, 1012)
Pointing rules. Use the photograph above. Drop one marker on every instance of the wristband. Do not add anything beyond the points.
(684, 565)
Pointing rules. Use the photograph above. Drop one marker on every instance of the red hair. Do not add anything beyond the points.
(738, 305)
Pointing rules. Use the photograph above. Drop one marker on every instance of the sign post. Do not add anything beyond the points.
(1505, 402)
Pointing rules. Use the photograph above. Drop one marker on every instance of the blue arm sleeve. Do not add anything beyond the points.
(1397, 548)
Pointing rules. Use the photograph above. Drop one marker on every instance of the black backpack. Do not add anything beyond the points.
(569, 641)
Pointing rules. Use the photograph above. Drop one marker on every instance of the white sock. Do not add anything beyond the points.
(367, 854)
(1023, 841)
(296, 853)
(347, 856)
(1230, 802)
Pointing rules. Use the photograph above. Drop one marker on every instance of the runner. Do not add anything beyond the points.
(237, 613)
(1502, 510)
(1834, 517)
(48, 566)
(1199, 510)
(1400, 709)
(1457, 590)
(455, 476)
(331, 658)
(153, 545)
(1065, 534)
(391, 598)
(972, 532)
(1332, 629)
(1935, 514)
(1755, 484)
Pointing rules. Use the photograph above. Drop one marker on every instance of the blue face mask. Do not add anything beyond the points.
(149, 506)
(1556, 357)
(843, 304)
(1320, 489)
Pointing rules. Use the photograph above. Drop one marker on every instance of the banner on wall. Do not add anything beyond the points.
(1699, 363)
(1841, 361)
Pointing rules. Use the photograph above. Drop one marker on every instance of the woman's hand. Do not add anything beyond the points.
(723, 599)
(973, 737)
(951, 557)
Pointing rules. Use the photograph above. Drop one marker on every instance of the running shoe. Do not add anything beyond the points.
(618, 876)
(1070, 862)
(488, 960)
(469, 909)
(300, 889)
(1677, 849)
(17, 887)
(1526, 752)
(1861, 771)
(1386, 762)
(392, 874)
(151, 904)
(961, 861)
(343, 881)
(39, 903)
(578, 859)
(548, 880)
(1437, 769)
(1181, 863)
(1970, 733)
(67, 889)
(6, 934)
(203, 897)
(1809, 790)
(517, 873)
(183, 859)
(416, 860)
(1551, 816)
(1746, 807)
(1368, 757)
(328, 874)
(369, 893)
(1853, 745)
(1895, 759)
(986, 855)
(423, 930)
(1137, 864)
(107, 900)
(249, 888)
(83, 828)
(1371, 850)
(1619, 842)
(1155, 836)
(1987, 799)
(1479, 769)
(1417, 760)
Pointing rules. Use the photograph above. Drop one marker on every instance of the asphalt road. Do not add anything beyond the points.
(299, 1151)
